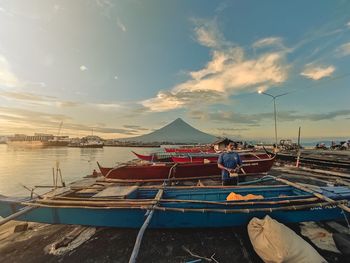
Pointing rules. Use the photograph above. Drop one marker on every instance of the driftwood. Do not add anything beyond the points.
(211, 259)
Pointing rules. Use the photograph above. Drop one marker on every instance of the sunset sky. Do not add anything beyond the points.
(125, 68)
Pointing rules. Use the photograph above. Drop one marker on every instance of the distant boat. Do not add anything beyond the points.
(182, 170)
(22, 140)
(87, 142)
(58, 141)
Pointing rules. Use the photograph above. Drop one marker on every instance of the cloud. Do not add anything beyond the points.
(270, 41)
(317, 72)
(121, 25)
(207, 33)
(37, 99)
(7, 77)
(135, 127)
(83, 68)
(228, 72)
(232, 129)
(22, 119)
(106, 106)
(68, 104)
(344, 50)
(255, 119)
(23, 96)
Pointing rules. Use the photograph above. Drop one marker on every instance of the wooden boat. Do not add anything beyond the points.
(174, 207)
(190, 150)
(181, 170)
(178, 157)
(201, 158)
(155, 157)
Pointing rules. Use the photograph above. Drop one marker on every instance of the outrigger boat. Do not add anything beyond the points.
(156, 157)
(195, 157)
(202, 158)
(181, 170)
(190, 150)
(178, 207)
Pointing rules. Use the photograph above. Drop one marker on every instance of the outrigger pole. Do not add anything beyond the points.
(149, 215)
(17, 214)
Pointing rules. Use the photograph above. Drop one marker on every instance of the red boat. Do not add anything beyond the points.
(214, 158)
(155, 157)
(190, 150)
(181, 170)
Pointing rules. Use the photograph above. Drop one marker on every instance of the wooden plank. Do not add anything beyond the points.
(57, 191)
(116, 191)
(83, 183)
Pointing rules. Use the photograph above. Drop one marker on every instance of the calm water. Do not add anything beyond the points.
(30, 166)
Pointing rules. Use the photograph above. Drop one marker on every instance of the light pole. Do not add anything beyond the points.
(274, 108)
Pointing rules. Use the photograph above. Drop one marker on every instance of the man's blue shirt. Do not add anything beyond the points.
(229, 160)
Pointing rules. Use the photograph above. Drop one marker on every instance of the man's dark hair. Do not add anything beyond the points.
(228, 141)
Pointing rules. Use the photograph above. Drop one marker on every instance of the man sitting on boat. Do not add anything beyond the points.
(230, 163)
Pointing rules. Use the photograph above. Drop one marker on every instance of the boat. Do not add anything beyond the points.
(178, 157)
(22, 140)
(181, 170)
(57, 141)
(156, 157)
(201, 158)
(190, 150)
(177, 207)
(90, 141)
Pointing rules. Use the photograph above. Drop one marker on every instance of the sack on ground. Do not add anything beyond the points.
(274, 243)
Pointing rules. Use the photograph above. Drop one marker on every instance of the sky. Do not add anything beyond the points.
(125, 68)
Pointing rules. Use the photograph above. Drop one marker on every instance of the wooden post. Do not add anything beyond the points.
(299, 152)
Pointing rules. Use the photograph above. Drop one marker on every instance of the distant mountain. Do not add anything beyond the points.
(177, 132)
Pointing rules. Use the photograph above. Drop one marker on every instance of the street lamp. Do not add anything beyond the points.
(274, 108)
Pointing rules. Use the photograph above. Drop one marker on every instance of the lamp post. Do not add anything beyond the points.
(274, 108)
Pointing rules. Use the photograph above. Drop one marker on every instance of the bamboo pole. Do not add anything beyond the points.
(156, 180)
(199, 210)
(139, 237)
(16, 215)
(318, 195)
(231, 203)
(149, 214)
(247, 211)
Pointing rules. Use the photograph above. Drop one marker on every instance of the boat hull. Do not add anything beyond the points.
(182, 170)
(134, 218)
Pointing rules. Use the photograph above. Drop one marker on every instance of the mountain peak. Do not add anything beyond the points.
(177, 131)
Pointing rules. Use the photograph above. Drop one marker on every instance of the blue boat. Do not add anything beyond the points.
(179, 207)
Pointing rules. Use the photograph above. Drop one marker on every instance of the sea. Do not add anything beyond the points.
(22, 168)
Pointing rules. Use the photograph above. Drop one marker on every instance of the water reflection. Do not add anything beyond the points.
(33, 166)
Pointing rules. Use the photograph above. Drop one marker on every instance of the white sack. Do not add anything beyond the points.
(274, 243)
